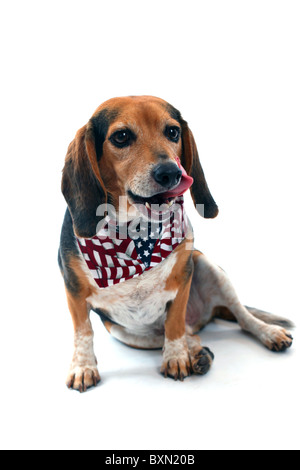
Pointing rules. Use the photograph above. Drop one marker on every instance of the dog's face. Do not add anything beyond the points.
(138, 147)
(140, 150)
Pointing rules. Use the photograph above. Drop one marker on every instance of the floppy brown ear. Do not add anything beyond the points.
(190, 160)
(82, 185)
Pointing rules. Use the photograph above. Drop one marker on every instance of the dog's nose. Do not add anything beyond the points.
(167, 175)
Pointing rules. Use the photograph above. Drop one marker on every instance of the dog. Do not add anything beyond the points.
(135, 159)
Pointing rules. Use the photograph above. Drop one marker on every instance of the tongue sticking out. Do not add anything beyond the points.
(185, 183)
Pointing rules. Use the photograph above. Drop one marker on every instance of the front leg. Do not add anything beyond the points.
(182, 354)
(83, 372)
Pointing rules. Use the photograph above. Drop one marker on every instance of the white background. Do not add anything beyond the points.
(232, 68)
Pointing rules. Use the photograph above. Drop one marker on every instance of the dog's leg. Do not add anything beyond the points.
(274, 337)
(182, 354)
(83, 372)
(216, 292)
(270, 318)
(176, 362)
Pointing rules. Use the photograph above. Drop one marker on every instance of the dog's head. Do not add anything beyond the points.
(138, 147)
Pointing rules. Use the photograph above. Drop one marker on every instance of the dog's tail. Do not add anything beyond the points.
(266, 317)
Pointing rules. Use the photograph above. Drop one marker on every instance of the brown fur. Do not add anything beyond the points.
(176, 317)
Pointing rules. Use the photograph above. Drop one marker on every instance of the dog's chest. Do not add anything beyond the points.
(140, 303)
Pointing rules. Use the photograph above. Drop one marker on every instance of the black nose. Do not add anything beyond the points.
(167, 174)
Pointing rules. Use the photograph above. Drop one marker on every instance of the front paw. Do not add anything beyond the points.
(82, 377)
(176, 361)
(177, 368)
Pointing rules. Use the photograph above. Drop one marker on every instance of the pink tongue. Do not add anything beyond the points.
(184, 185)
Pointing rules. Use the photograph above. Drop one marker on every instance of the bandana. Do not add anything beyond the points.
(124, 252)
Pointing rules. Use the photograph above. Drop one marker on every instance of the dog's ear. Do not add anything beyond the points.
(190, 160)
(82, 185)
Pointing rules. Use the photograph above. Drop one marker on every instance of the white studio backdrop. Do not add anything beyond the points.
(232, 68)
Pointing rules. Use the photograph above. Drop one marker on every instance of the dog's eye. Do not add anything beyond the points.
(121, 138)
(173, 133)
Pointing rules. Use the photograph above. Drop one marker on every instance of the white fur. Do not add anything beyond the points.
(215, 289)
(176, 350)
(84, 359)
(149, 341)
(138, 304)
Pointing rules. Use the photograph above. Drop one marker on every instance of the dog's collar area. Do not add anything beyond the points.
(158, 215)
(115, 256)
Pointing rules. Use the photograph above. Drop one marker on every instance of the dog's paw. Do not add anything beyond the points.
(186, 356)
(202, 361)
(201, 358)
(177, 368)
(276, 338)
(176, 361)
(81, 378)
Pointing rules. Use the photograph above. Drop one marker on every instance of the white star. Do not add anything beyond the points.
(139, 245)
(145, 239)
(151, 234)
(151, 246)
(146, 253)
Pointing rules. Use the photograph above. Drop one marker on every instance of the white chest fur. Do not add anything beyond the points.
(138, 304)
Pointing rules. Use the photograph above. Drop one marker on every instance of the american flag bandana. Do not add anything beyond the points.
(113, 257)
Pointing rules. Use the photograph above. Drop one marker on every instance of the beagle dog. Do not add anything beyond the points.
(126, 249)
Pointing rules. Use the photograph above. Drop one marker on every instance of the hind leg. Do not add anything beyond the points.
(214, 290)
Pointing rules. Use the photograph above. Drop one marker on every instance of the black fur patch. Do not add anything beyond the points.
(103, 316)
(68, 248)
(81, 189)
(101, 123)
(174, 113)
(188, 269)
